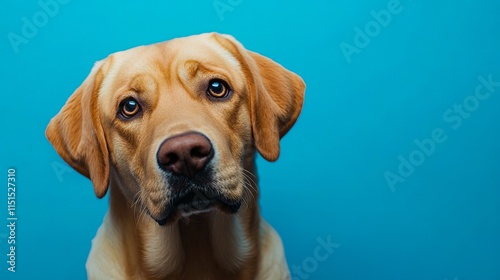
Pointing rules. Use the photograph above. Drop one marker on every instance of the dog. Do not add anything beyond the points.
(172, 130)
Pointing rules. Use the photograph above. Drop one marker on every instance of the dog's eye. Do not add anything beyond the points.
(218, 88)
(129, 108)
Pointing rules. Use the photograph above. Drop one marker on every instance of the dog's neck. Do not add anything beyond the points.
(213, 243)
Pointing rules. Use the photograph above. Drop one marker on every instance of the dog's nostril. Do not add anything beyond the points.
(200, 151)
(171, 158)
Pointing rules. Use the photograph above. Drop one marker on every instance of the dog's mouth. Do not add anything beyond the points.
(196, 202)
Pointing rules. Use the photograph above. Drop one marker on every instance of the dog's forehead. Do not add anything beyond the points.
(172, 58)
(204, 48)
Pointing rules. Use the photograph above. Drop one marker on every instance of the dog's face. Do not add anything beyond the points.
(175, 124)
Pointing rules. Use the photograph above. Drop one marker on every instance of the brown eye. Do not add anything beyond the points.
(218, 88)
(129, 108)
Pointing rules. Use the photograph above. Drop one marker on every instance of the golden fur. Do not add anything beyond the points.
(170, 80)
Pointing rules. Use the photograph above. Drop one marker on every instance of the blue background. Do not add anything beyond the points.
(362, 112)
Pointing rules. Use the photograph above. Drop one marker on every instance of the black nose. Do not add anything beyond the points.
(185, 154)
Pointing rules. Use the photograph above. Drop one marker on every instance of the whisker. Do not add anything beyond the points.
(251, 181)
(135, 205)
(251, 175)
(247, 185)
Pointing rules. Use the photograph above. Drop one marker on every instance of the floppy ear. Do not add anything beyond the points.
(275, 100)
(77, 135)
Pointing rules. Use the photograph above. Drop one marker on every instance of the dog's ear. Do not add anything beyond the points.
(276, 96)
(276, 102)
(77, 135)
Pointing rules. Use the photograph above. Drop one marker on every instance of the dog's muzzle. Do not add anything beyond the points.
(185, 159)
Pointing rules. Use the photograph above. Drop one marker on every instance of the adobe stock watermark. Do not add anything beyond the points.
(221, 7)
(309, 265)
(32, 25)
(60, 169)
(454, 116)
(11, 222)
(373, 28)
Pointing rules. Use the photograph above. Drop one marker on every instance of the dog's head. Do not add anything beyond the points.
(175, 124)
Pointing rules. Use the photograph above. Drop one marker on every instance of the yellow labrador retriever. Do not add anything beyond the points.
(172, 130)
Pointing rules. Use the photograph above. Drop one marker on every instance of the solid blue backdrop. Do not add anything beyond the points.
(395, 159)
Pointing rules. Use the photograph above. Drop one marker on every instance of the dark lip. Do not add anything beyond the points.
(194, 195)
(192, 201)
